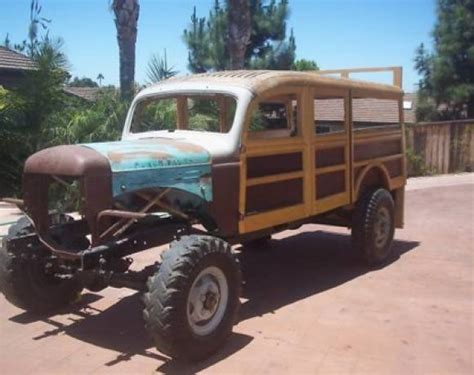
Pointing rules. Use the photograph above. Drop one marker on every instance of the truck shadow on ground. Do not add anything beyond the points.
(287, 270)
(300, 266)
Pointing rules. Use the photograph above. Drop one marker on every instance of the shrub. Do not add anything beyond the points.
(416, 164)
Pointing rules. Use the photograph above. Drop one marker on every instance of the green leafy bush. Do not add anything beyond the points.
(416, 164)
(39, 114)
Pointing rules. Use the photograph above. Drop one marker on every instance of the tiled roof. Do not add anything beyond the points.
(375, 110)
(15, 61)
(89, 94)
(329, 109)
(364, 110)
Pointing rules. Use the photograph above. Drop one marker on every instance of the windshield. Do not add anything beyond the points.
(209, 113)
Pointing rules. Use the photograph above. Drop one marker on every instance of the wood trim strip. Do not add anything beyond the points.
(350, 154)
(328, 203)
(182, 112)
(242, 190)
(377, 160)
(276, 142)
(269, 150)
(401, 113)
(307, 130)
(331, 168)
(332, 144)
(274, 178)
(397, 182)
(271, 218)
(375, 138)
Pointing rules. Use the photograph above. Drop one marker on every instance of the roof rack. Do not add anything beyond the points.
(345, 73)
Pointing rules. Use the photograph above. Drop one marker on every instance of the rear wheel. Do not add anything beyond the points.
(24, 279)
(193, 298)
(373, 226)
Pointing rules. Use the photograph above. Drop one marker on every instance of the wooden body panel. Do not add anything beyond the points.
(332, 157)
(288, 178)
(380, 149)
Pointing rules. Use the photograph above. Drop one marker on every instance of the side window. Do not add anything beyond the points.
(371, 112)
(329, 115)
(275, 117)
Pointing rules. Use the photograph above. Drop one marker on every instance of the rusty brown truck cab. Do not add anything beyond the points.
(207, 161)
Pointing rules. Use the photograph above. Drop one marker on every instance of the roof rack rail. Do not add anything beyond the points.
(345, 73)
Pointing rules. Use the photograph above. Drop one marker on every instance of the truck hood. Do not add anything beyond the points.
(133, 155)
(157, 163)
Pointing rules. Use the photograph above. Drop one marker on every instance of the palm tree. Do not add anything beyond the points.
(126, 18)
(36, 21)
(99, 78)
(158, 69)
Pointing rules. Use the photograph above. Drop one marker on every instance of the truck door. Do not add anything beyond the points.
(274, 160)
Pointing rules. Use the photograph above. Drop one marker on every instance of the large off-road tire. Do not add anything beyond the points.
(23, 279)
(373, 226)
(193, 298)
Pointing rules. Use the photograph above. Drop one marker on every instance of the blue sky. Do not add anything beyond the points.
(335, 33)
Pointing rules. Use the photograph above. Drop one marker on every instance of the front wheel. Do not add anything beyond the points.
(373, 226)
(192, 300)
(24, 280)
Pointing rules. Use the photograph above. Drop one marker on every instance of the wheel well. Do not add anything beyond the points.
(371, 177)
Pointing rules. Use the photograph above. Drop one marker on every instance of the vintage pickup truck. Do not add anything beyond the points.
(207, 161)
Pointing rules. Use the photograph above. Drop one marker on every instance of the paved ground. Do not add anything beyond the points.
(307, 306)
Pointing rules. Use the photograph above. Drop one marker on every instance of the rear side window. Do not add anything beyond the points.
(370, 113)
(270, 116)
(275, 116)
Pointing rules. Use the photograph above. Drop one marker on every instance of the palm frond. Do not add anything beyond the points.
(158, 69)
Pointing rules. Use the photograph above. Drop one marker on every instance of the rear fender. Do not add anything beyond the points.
(373, 175)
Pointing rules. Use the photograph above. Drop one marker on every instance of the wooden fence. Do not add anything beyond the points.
(440, 147)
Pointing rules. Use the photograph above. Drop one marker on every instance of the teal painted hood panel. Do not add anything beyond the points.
(158, 162)
(150, 154)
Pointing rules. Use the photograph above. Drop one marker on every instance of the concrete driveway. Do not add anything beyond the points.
(307, 306)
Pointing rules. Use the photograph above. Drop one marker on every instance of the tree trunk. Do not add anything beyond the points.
(239, 28)
(470, 107)
(126, 17)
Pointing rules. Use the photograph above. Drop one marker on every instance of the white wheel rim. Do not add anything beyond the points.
(207, 301)
(382, 227)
